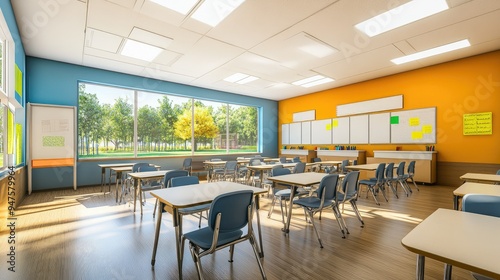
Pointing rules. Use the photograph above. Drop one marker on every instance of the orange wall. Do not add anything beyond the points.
(470, 85)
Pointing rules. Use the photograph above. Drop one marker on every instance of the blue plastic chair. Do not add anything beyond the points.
(326, 198)
(278, 193)
(166, 181)
(410, 174)
(376, 184)
(187, 165)
(229, 214)
(300, 167)
(349, 192)
(184, 181)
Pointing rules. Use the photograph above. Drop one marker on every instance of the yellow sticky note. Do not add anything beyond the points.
(427, 129)
(328, 127)
(18, 80)
(416, 135)
(414, 121)
(335, 123)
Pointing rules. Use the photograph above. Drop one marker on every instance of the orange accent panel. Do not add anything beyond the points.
(469, 85)
(53, 162)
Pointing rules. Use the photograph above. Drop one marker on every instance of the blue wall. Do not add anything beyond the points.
(51, 82)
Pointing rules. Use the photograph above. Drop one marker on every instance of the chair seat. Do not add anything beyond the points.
(368, 182)
(203, 237)
(340, 196)
(312, 202)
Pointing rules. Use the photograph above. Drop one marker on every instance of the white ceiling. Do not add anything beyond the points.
(257, 39)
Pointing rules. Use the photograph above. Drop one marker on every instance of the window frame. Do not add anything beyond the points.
(192, 100)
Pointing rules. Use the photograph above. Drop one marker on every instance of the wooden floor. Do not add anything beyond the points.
(84, 234)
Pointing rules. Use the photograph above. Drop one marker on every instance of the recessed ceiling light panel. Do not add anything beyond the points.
(212, 12)
(140, 50)
(402, 15)
(180, 6)
(313, 81)
(431, 52)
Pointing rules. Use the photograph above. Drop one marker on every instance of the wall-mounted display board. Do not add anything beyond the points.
(413, 126)
(358, 131)
(295, 133)
(380, 128)
(340, 131)
(306, 133)
(304, 116)
(52, 138)
(285, 134)
(478, 124)
(368, 106)
(321, 132)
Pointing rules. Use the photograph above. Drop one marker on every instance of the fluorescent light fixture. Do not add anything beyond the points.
(431, 52)
(140, 50)
(401, 15)
(313, 81)
(180, 6)
(212, 12)
(247, 80)
(240, 78)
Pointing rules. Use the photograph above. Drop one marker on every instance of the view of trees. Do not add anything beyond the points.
(164, 125)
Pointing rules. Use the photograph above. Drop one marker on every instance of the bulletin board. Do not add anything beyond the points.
(380, 128)
(52, 138)
(340, 130)
(359, 129)
(295, 133)
(413, 126)
(321, 131)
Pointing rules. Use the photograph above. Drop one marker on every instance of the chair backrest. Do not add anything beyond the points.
(355, 162)
(481, 204)
(344, 163)
(379, 173)
(401, 169)
(231, 165)
(283, 159)
(280, 171)
(233, 208)
(411, 168)
(316, 159)
(135, 167)
(187, 163)
(300, 167)
(296, 159)
(147, 168)
(389, 171)
(172, 174)
(350, 184)
(184, 181)
(328, 187)
(498, 172)
(254, 162)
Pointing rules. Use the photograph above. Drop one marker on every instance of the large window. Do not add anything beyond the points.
(116, 122)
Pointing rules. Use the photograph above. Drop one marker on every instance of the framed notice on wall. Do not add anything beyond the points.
(478, 124)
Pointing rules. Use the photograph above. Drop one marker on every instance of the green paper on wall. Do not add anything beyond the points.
(19, 81)
(394, 119)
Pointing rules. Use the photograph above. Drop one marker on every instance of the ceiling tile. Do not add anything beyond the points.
(102, 40)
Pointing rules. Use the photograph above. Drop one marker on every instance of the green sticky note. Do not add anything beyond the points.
(394, 119)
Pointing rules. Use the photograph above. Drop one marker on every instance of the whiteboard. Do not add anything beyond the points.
(413, 126)
(295, 133)
(380, 128)
(306, 133)
(285, 134)
(340, 131)
(321, 132)
(358, 129)
(52, 132)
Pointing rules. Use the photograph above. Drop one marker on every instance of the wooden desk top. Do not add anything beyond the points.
(369, 167)
(458, 238)
(148, 174)
(470, 187)
(491, 178)
(299, 179)
(192, 195)
(111, 165)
